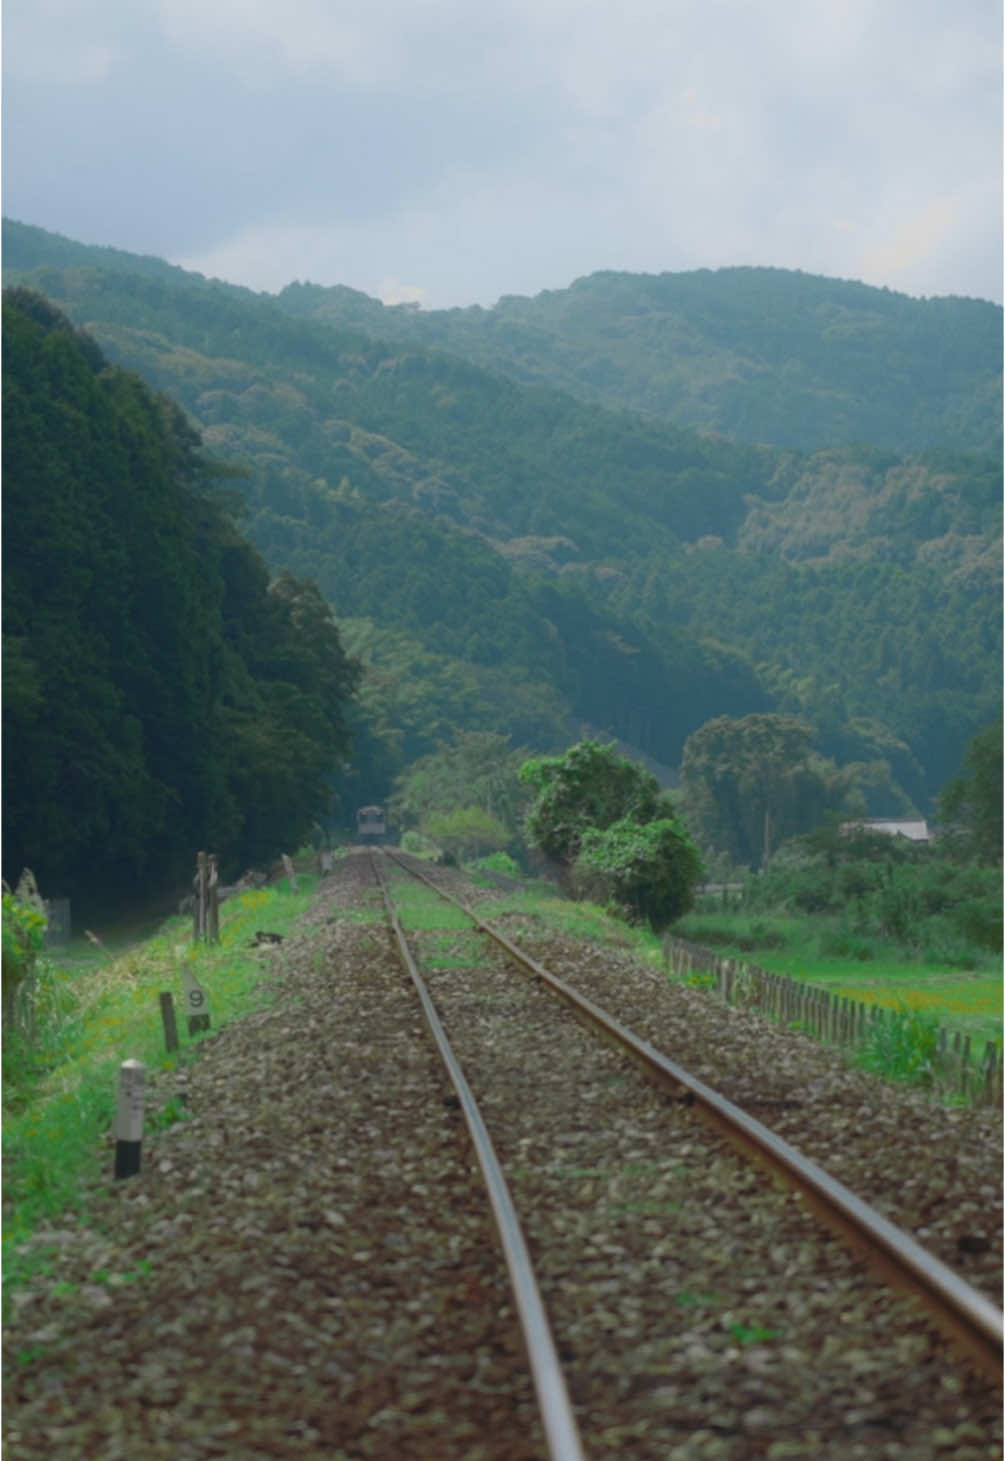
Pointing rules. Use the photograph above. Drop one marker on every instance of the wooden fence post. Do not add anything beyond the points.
(200, 898)
(170, 1023)
(206, 914)
(213, 900)
(290, 872)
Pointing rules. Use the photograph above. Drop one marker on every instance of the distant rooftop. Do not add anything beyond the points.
(914, 829)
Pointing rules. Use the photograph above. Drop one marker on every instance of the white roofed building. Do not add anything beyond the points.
(914, 829)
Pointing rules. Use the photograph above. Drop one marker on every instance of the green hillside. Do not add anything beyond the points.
(519, 560)
(757, 355)
(159, 695)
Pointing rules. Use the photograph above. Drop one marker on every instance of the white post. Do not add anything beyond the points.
(129, 1118)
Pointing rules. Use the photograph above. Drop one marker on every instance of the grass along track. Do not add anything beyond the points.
(968, 1001)
(60, 1091)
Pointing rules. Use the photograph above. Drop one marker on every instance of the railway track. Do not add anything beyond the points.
(308, 1266)
(969, 1320)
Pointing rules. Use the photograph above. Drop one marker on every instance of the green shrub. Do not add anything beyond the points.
(498, 862)
(902, 1045)
(911, 898)
(844, 943)
(898, 911)
(466, 832)
(416, 845)
(649, 871)
(24, 925)
(36, 996)
(979, 921)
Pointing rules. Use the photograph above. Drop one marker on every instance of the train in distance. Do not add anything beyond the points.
(370, 824)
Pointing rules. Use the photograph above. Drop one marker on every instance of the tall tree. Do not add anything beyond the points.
(972, 799)
(753, 781)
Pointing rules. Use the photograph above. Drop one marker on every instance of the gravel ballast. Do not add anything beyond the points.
(306, 1266)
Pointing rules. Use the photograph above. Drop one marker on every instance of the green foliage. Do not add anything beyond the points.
(37, 1000)
(552, 563)
(467, 832)
(479, 769)
(971, 801)
(754, 781)
(605, 821)
(24, 925)
(416, 845)
(875, 891)
(162, 696)
(588, 788)
(499, 863)
(30, 996)
(902, 1045)
(892, 664)
(648, 871)
(765, 355)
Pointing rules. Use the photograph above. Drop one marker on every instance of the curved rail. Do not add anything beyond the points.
(965, 1316)
(546, 1370)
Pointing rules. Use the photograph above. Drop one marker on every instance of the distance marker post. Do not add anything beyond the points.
(129, 1118)
(196, 1002)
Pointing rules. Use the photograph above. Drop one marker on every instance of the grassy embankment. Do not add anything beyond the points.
(967, 1000)
(95, 1007)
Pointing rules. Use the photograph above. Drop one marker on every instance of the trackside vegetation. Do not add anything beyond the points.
(879, 920)
(78, 1013)
(613, 835)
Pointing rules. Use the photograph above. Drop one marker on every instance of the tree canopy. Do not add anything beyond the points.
(159, 694)
(751, 782)
(971, 801)
(612, 832)
(534, 563)
(589, 788)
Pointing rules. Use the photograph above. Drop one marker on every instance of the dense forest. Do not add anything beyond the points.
(757, 355)
(505, 555)
(159, 693)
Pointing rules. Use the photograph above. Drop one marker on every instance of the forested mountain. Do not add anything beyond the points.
(509, 558)
(158, 694)
(757, 355)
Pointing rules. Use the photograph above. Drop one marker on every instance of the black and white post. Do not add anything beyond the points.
(129, 1119)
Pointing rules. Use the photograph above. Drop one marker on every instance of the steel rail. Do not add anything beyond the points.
(554, 1404)
(963, 1315)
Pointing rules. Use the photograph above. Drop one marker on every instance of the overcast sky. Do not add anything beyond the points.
(451, 151)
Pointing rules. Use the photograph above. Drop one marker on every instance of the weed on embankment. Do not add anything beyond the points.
(93, 1009)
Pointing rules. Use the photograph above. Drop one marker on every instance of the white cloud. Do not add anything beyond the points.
(392, 291)
(509, 147)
